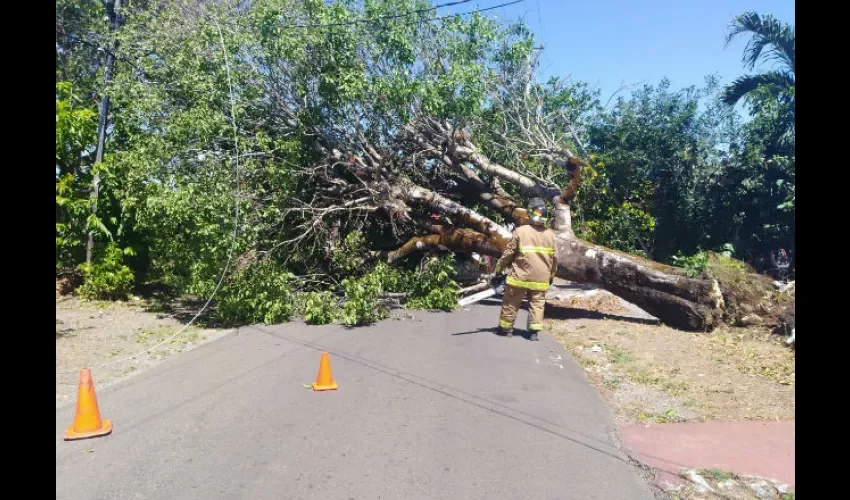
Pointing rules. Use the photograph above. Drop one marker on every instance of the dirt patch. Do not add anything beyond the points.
(596, 302)
(89, 334)
(652, 373)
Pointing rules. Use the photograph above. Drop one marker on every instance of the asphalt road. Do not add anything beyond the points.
(434, 407)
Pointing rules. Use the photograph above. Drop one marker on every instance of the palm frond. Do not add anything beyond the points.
(776, 80)
(767, 33)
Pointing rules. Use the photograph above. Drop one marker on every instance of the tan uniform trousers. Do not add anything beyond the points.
(512, 301)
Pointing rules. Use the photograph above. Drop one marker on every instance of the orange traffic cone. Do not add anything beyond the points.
(325, 381)
(87, 422)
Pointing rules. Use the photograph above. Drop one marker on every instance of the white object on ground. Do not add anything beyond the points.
(700, 484)
(476, 297)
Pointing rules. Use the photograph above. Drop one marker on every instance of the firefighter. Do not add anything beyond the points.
(530, 264)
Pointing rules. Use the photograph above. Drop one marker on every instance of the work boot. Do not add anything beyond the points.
(532, 336)
(505, 332)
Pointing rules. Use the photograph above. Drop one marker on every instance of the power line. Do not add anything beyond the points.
(389, 17)
(499, 6)
(379, 18)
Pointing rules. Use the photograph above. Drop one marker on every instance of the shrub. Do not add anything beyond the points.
(320, 308)
(108, 279)
(435, 288)
(260, 293)
(361, 298)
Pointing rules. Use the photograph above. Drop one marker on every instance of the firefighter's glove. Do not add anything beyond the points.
(496, 280)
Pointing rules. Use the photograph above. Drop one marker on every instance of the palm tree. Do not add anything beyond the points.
(771, 41)
(767, 33)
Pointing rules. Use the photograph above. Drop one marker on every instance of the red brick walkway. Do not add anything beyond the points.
(763, 449)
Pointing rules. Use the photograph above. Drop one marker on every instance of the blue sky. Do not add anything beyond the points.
(609, 42)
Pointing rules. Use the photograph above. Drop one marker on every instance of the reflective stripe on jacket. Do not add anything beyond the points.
(530, 258)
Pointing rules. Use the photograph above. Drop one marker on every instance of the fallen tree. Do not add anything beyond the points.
(365, 181)
(432, 177)
(433, 130)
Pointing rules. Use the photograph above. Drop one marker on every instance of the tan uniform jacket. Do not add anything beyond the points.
(530, 258)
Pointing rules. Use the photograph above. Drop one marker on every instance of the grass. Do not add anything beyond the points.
(740, 350)
(619, 355)
(671, 416)
(612, 382)
(586, 362)
(188, 336)
(731, 373)
(658, 378)
(718, 475)
(640, 375)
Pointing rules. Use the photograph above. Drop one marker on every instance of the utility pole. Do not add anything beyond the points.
(112, 10)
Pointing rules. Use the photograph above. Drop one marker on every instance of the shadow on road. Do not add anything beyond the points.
(492, 330)
(564, 313)
(558, 312)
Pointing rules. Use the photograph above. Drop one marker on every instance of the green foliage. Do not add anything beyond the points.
(348, 259)
(72, 208)
(727, 270)
(771, 93)
(707, 264)
(677, 169)
(434, 288)
(762, 180)
(320, 308)
(76, 128)
(694, 266)
(674, 168)
(657, 153)
(108, 278)
(261, 293)
(80, 29)
(753, 205)
(173, 170)
(361, 297)
(614, 226)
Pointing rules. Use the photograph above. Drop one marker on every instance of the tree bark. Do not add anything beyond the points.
(677, 301)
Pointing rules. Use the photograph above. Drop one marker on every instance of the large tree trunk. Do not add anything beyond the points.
(674, 299)
(678, 301)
